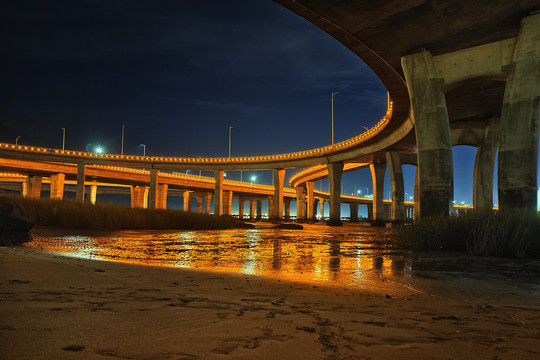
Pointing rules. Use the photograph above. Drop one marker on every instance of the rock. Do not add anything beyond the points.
(289, 226)
(14, 220)
(243, 225)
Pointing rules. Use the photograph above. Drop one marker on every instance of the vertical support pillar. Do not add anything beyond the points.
(241, 208)
(79, 194)
(484, 167)
(316, 202)
(370, 212)
(397, 212)
(153, 195)
(57, 186)
(207, 201)
(137, 196)
(199, 197)
(187, 197)
(25, 187)
(145, 198)
(93, 194)
(258, 216)
(287, 209)
(277, 210)
(252, 209)
(432, 129)
(218, 192)
(300, 202)
(520, 123)
(310, 185)
(227, 202)
(354, 212)
(334, 175)
(162, 196)
(271, 214)
(33, 187)
(377, 174)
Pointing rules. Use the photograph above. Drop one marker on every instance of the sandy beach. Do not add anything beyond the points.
(59, 307)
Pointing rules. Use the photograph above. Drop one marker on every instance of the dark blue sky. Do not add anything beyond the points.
(177, 74)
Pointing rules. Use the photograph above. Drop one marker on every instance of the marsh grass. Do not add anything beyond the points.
(490, 233)
(72, 214)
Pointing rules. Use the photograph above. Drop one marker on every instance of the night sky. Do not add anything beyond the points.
(177, 74)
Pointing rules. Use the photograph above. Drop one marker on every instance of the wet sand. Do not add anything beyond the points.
(59, 307)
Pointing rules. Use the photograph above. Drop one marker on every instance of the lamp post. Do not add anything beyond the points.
(230, 128)
(123, 126)
(144, 149)
(253, 179)
(17, 140)
(333, 94)
(63, 137)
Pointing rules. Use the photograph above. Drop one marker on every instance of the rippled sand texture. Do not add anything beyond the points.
(323, 293)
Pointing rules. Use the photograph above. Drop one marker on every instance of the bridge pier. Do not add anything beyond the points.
(227, 202)
(153, 195)
(258, 217)
(520, 122)
(277, 211)
(484, 166)
(300, 202)
(354, 212)
(432, 129)
(93, 194)
(79, 194)
(57, 186)
(310, 186)
(271, 208)
(241, 208)
(199, 198)
(218, 192)
(377, 174)
(398, 190)
(335, 170)
(207, 202)
(186, 195)
(287, 209)
(33, 187)
(137, 196)
(252, 209)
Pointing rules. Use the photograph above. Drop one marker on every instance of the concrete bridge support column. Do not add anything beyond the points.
(398, 190)
(252, 209)
(520, 123)
(153, 195)
(377, 174)
(33, 187)
(218, 192)
(258, 216)
(335, 170)
(187, 197)
(287, 209)
(300, 203)
(199, 197)
(310, 185)
(432, 129)
(207, 201)
(316, 203)
(227, 202)
(241, 208)
(137, 196)
(79, 192)
(370, 212)
(57, 186)
(484, 166)
(354, 212)
(271, 207)
(93, 194)
(277, 211)
(162, 199)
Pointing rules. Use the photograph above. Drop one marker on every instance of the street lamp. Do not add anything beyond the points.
(359, 192)
(144, 149)
(333, 94)
(63, 137)
(123, 126)
(253, 179)
(17, 140)
(230, 128)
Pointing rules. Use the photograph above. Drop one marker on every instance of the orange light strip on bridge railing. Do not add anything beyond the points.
(264, 158)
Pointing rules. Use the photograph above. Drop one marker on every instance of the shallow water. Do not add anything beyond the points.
(352, 255)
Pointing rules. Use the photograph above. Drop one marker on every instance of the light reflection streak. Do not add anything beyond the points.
(319, 254)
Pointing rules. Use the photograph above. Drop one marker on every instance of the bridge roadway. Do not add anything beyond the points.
(461, 72)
